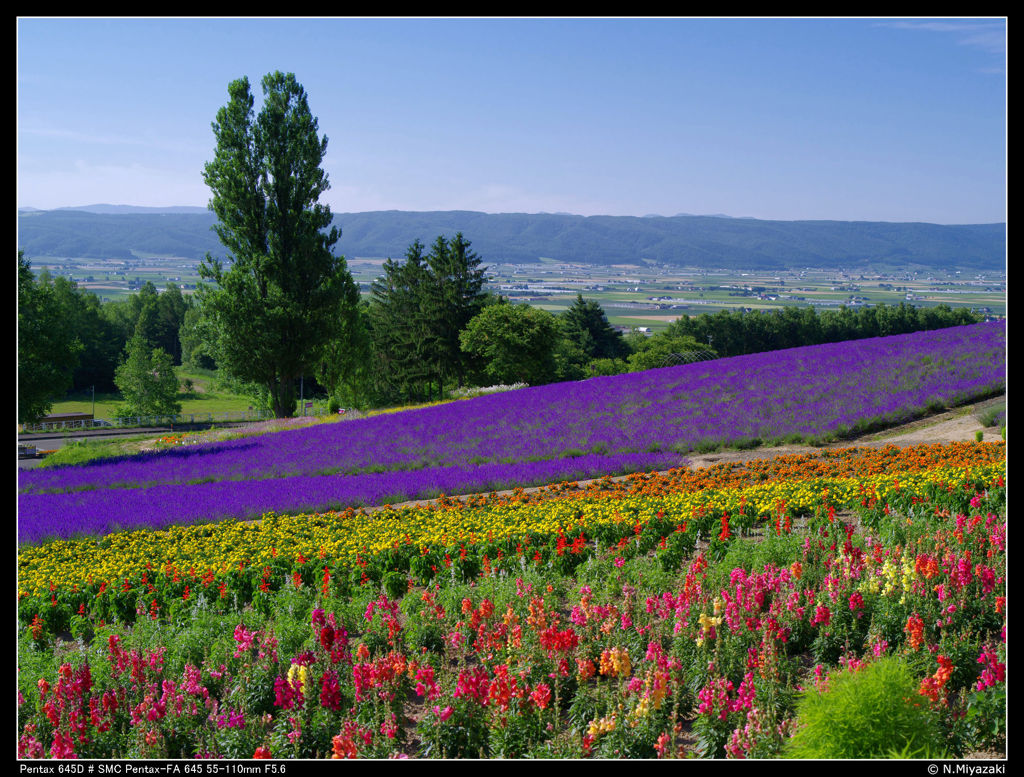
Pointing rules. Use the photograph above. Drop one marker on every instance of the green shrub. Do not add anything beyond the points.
(707, 446)
(867, 713)
(991, 416)
(984, 725)
(395, 584)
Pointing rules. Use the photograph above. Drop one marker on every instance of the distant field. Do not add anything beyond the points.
(553, 286)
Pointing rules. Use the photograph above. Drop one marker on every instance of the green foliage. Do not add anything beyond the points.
(665, 350)
(395, 584)
(992, 416)
(515, 342)
(344, 368)
(598, 367)
(147, 380)
(157, 317)
(569, 358)
(984, 725)
(734, 333)
(452, 296)
(458, 731)
(195, 341)
(48, 349)
(419, 308)
(866, 713)
(586, 324)
(102, 341)
(397, 329)
(285, 295)
(923, 752)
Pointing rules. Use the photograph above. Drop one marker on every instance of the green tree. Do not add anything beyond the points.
(119, 315)
(278, 305)
(81, 313)
(667, 350)
(159, 314)
(607, 367)
(142, 309)
(398, 329)
(419, 308)
(48, 349)
(571, 360)
(195, 343)
(170, 315)
(515, 342)
(450, 297)
(586, 324)
(147, 380)
(344, 366)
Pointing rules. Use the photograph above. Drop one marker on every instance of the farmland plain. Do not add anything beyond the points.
(636, 295)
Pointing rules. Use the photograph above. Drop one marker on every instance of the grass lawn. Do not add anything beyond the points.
(202, 399)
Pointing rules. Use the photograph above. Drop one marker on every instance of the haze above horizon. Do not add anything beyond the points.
(783, 119)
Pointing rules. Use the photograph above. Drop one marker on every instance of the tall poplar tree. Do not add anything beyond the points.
(283, 296)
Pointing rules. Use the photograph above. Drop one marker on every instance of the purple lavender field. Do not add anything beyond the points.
(609, 425)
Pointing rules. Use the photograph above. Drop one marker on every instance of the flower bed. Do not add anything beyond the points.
(629, 626)
(624, 423)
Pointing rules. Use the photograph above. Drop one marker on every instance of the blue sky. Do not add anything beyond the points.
(857, 119)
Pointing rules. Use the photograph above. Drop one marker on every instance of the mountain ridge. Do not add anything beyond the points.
(682, 240)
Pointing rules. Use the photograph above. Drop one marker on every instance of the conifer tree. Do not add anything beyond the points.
(419, 308)
(397, 327)
(586, 324)
(452, 296)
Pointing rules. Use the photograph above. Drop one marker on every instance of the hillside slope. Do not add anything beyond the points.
(698, 241)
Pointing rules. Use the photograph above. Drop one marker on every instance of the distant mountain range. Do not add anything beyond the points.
(120, 231)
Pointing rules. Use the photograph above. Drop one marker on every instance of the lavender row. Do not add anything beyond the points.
(808, 392)
(65, 515)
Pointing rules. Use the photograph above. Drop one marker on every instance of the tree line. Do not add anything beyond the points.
(735, 333)
(70, 341)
